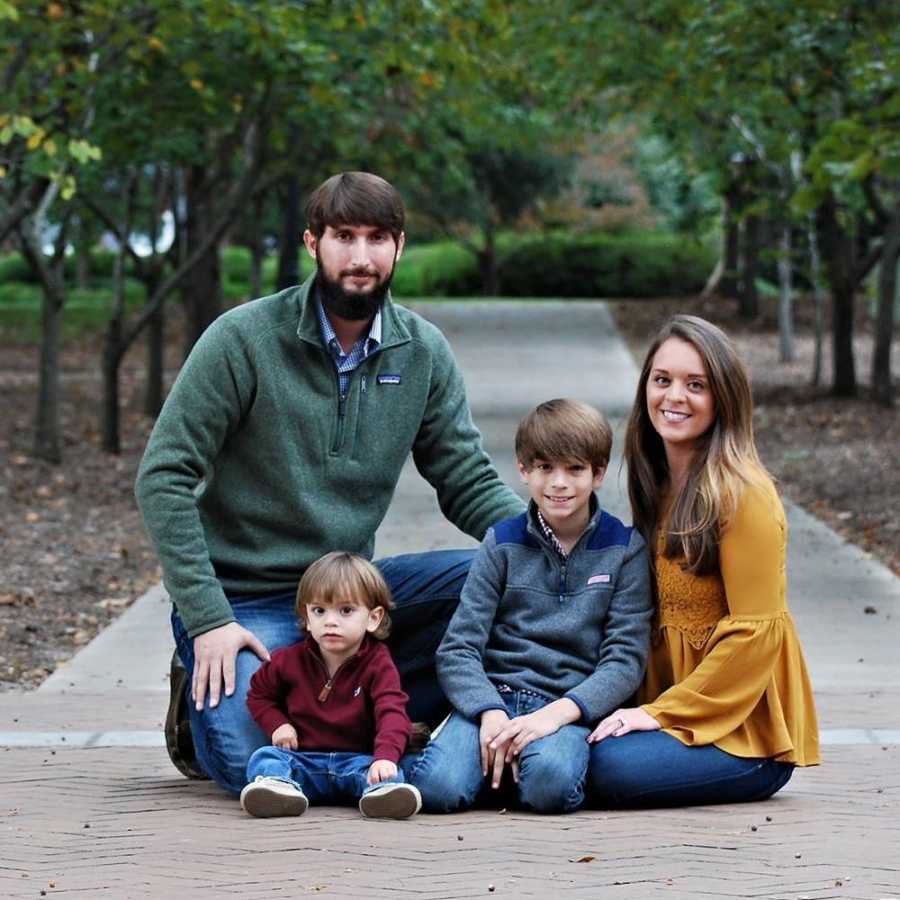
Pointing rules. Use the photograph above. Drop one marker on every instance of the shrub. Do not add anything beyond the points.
(444, 269)
(14, 268)
(634, 264)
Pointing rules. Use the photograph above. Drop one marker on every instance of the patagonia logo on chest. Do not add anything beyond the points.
(389, 379)
(599, 579)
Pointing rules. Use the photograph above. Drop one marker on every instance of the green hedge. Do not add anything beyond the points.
(444, 269)
(602, 265)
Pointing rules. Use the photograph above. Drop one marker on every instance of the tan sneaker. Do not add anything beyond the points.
(391, 801)
(266, 798)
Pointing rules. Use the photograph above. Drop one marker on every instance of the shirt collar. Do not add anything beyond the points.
(550, 534)
(329, 338)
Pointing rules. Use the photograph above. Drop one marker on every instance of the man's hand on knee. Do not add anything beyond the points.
(215, 652)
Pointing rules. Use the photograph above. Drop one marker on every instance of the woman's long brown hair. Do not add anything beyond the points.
(724, 460)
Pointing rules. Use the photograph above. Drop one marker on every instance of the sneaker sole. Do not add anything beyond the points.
(265, 804)
(399, 803)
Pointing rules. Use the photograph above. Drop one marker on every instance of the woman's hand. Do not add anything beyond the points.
(621, 722)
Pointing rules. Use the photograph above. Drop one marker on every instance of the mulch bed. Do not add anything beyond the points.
(74, 554)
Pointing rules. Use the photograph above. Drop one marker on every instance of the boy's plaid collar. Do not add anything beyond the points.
(550, 534)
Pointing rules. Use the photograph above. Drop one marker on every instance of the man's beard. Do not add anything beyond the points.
(354, 307)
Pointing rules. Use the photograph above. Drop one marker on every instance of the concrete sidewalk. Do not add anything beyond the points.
(91, 806)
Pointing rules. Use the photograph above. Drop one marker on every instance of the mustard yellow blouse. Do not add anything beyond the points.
(726, 666)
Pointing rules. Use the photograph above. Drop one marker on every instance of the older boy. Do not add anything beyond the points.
(552, 630)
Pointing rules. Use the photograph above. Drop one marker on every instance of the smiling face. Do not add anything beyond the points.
(355, 267)
(339, 627)
(562, 492)
(680, 402)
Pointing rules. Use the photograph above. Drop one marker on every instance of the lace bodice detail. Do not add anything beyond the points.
(692, 604)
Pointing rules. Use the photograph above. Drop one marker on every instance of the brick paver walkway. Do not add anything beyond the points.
(91, 807)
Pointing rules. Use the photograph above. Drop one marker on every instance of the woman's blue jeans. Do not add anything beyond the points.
(644, 769)
(425, 588)
(323, 777)
(552, 769)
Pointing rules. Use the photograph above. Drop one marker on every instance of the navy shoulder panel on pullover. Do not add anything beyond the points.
(610, 532)
(515, 531)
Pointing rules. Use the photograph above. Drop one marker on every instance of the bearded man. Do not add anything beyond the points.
(282, 439)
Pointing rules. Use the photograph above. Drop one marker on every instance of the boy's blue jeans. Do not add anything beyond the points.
(425, 588)
(323, 777)
(645, 769)
(552, 769)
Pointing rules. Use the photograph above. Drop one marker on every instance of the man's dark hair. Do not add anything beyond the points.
(355, 198)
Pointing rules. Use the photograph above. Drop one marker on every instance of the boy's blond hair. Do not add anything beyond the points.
(341, 576)
(561, 430)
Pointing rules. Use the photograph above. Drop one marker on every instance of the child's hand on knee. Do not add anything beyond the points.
(285, 737)
(493, 721)
(382, 770)
(522, 730)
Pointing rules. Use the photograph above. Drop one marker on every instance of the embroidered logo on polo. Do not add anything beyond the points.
(599, 579)
(389, 379)
(357, 690)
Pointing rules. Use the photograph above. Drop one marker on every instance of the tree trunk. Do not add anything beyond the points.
(163, 188)
(156, 326)
(112, 355)
(815, 264)
(728, 283)
(203, 285)
(882, 389)
(289, 246)
(82, 255)
(487, 263)
(47, 430)
(786, 300)
(257, 256)
(749, 296)
(837, 250)
(47, 433)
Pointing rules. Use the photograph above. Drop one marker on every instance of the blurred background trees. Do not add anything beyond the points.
(151, 151)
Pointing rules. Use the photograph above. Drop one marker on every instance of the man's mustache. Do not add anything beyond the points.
(358, 272)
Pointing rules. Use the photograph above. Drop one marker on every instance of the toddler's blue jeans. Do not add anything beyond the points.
(323, 777)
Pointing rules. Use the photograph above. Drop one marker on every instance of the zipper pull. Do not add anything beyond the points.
(362, 384)
(326, 690)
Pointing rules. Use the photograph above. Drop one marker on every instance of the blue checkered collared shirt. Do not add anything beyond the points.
(346, 363)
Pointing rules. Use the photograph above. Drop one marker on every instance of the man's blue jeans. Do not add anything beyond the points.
(323, 777)
(645, 769)
(425, 588)
(552, 769)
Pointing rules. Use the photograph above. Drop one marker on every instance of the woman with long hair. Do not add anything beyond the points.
(726, 708)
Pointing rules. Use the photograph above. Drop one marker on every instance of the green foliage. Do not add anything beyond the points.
(236, 264)
(685, 200)
(13, 267)
(630, 265)
(443, 269)
(87, 309)
(637, 264)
